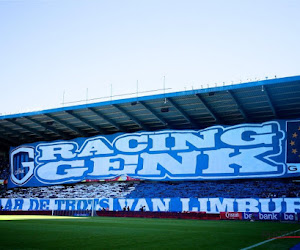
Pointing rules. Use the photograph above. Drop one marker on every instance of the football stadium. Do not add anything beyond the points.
(210, 168)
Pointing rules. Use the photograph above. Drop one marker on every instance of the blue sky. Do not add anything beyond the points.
(48, 47)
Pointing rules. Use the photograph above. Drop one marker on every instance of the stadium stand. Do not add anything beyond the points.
(228, 189)
(273, 102)
(81, 190)
(4, 173)
(234, 189)
(4, 168)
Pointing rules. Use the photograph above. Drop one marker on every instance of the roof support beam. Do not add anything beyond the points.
(182, 112)
(105, 118)
(32, 130)
(131, 117)
(208, 108)
(265, 90)
(54, 130)
(97, 128)
(157, 116)
(234, 98)
(69, 126)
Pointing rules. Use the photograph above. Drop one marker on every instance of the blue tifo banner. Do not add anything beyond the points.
(266, 207)
(270, 149)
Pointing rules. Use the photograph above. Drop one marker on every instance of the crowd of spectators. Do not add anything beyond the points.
(264, 188)
(4, 168)
(4, 172)
(80, 190)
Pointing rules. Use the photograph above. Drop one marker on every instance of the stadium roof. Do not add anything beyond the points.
(240, 103)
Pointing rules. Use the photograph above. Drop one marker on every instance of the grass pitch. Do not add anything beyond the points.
(47, 232)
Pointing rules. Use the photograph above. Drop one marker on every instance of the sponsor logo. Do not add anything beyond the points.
(247, 216)
(22, 165)
(230, 215)
(268, 216)
(292, 168)
(288, 217)
(261, 216)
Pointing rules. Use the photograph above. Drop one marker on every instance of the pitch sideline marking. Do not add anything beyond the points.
(266, 241)
(36, 217)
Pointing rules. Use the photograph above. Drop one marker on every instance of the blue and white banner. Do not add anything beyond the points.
(267, 207)
(270, 149)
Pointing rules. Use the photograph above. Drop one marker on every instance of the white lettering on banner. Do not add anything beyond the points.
(140, 143)
(292, 205)
(159, 142)
(262, 135)
(115, 165)
(106, 203)
(61, 170)
(215, 153)
(96, 146)
(142, 203)
(265, 205)
(53, 151)
(219, 161)
(161, 204)
(205, 139)
(247, 205)
(217, 206)
(186, 165)
(126, 203)
(211, 205)
(203, 204)
(185, 204)
(27, 204)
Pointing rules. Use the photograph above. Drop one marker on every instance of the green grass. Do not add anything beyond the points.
(21, 232)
